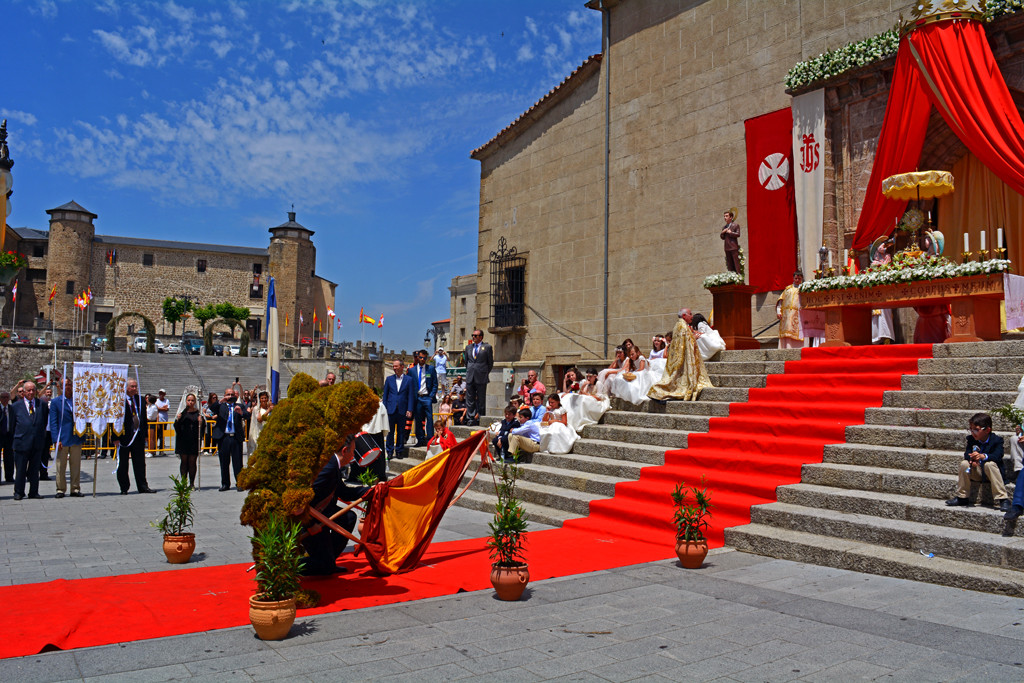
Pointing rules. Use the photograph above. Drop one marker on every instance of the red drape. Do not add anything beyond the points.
(771, 206)
(947, 65)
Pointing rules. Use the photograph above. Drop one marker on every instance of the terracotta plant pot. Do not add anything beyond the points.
(691, 553)
(510, 582)
(179, 549)
(272, 620)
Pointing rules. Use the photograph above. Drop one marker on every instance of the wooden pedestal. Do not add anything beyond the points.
(732, 315)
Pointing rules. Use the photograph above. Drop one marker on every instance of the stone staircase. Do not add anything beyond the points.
(876, 503)
(559, 487)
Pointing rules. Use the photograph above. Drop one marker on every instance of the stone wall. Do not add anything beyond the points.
(23, 362)
(684, 76)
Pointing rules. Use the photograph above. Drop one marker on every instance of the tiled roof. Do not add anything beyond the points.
(115, 240)
(511, 131)
(73, 206)
(31, 234)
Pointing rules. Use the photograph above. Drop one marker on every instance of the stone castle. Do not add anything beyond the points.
(131, 274)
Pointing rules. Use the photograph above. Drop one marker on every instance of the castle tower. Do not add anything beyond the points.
(293, 266)
(69, 259)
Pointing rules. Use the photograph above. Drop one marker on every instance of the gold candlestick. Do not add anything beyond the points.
(831, 272)
(965, 256)
(846, 270)
(817, 274)
(1000, 252)
(981, 255)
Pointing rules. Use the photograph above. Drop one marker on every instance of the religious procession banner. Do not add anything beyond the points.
(99, 396)
(771, 215)
(809, 174)
(1013, 292)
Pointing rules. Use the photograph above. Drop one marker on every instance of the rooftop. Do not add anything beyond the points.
(115, 240)
(554, 96)
(73, 206)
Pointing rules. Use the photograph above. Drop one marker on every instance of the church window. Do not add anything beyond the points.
(508, 287)
(147, 259)
(201, 265)
(70, 288)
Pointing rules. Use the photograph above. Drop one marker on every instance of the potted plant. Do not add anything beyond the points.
(178, 543)
(509, 572)
(279, 559)
(691, 522)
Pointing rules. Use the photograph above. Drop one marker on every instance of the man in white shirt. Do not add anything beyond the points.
(163, 407)
(525, 437)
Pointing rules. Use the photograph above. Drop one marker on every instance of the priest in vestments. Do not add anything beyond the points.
(787, 309)
(685, 375)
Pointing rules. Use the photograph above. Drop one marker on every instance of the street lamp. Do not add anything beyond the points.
(6, 183)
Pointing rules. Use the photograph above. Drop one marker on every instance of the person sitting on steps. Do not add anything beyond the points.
(525, 437)
(983, 459)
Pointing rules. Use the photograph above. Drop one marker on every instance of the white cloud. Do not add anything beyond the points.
(524, 53)
(20, 116)
(281, 67)
(114, 74)
(44, 8)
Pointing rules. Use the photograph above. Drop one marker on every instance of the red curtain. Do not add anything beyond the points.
(947, 65)
(771, 206)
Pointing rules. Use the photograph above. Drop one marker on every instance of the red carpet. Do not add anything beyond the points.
(761, 445)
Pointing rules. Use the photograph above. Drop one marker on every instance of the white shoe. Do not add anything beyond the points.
(149, 455)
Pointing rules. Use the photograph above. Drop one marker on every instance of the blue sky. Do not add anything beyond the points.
(206, 121)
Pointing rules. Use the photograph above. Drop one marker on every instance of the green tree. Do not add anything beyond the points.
(174, 310)
(233, 315)
(203, 315)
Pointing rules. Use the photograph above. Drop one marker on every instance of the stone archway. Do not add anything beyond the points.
(243, 345)
(146, 323)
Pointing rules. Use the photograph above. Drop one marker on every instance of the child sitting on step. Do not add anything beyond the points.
(983, 460)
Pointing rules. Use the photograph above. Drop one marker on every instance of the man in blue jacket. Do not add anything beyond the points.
(425, 384)
(69, 444)
(399, 400)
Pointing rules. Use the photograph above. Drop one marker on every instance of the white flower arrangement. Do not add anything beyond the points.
(931, 269)
(726, 278)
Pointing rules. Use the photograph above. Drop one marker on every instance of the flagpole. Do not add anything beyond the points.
(14, 314)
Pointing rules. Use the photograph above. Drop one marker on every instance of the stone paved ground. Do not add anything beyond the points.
(740, 618)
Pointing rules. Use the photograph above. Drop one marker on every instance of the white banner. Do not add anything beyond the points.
(1013, 292)
(812, 323)
(99, 396)
(809, 174)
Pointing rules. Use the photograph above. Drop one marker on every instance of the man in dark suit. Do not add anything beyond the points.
(229, 433)
(399, 400)
(323, 544)
(29, 419)
(425, 384)
(479, 361)
(133, 441)
(6, 450)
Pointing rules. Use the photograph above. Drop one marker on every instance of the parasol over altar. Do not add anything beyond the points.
(918, 185)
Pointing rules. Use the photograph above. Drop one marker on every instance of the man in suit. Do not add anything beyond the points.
(425, 383)
(479, 361)
(133, 441)
(229, 433)
(28, 416)
(731, 241)
(6, 451)
(69, 444)
(399, 400)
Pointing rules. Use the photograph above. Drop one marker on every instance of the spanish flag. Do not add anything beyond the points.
(53, 292)
(363, 318)
(405, 511)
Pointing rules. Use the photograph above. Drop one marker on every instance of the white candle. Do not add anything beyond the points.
(846, 257)
(999, 238)
(967, 243)
(830, 259)
(983, 240)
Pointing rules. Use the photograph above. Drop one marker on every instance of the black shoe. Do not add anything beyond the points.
(76, 494)
(1002, 505)
(953, 502)
(399, 455)
(1013, 513)
(147, 490)
(60, 494)
(421, 444)
(18, 496)
(239, 488)
(124, 493)
(224, 488)
(35, 496)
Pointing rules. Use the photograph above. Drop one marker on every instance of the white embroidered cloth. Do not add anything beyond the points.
(99, 396)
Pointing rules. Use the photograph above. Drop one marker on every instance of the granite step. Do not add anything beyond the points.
(893, 436)
(685, 423)
(932, 485)
(638, 453)
(897, 506)
(973, 401)
(541, 514)
(960, 382)
(965, 545)
(703, 407)
(829, 551)
(940, 418)
(746, 367)
(736, 381)
(905, 459)
(662, 438)
(974, 365)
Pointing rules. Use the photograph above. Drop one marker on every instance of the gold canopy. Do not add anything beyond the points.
(918, 185)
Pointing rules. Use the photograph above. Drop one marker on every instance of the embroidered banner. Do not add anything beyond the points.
(1013, 292)
(809, 174)
(99, 396)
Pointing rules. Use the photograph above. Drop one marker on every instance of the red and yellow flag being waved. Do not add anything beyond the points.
(363, 318)
(405, 511)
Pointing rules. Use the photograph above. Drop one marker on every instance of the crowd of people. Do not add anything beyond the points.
(37, 427)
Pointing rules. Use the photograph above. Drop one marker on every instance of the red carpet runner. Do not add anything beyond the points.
(761, 445)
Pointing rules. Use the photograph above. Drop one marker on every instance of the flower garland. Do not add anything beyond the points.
(876, 48)
(907, 269)
(726, 278)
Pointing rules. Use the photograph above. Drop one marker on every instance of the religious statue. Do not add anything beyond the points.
(731, 238)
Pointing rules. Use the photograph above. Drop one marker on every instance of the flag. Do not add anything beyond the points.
(809, 174)
(302, 321)
(771, 208)
(339, 323)
(330, 312)
(314, 317)
(286, 320)
(14, 292)
(53, 292)
(273, 342)
(401, 519)
(380, 321)
(89, 294)
(363, 318)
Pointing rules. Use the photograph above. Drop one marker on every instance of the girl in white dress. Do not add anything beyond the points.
(634, 381)
(556, 436)
(658, 347)
(709, 341)
(612, 370)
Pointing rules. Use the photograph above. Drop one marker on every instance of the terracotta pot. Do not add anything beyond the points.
(271, 619)
(179, 549)
(691, 553)
(510, 582)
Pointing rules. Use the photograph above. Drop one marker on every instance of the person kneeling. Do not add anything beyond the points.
(526, 437)
(324, 545)
(983, 459)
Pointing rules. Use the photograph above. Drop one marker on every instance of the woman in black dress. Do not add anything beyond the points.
(186, 438)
